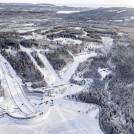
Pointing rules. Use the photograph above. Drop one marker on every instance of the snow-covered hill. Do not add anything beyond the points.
(65, 73)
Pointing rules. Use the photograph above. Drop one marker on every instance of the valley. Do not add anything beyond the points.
(63, 74)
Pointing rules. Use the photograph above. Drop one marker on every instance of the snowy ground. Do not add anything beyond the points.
(59, 116)
(18, 105)
(93, 46)
(64, 117)
(107, 44)
(61, 120)
(104, 72)
(67, 73)
(67, 12)
(65, 41)
(49, 73)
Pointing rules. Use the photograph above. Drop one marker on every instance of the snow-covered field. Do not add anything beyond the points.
(26, 30)
(116, 20)
(104, 72)
(92, 45)
(107, 44)
(68, 41)
(65, 117)
(67, 12)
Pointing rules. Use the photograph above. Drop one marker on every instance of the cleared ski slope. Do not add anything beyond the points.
(71, 68)
(50, 76)
(9, 81)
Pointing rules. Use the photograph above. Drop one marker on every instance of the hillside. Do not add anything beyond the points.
(66, 69)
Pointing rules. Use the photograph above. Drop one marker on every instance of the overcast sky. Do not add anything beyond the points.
(106, 3)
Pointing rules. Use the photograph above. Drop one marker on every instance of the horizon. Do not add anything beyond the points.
(78, 3)
(70, 5)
